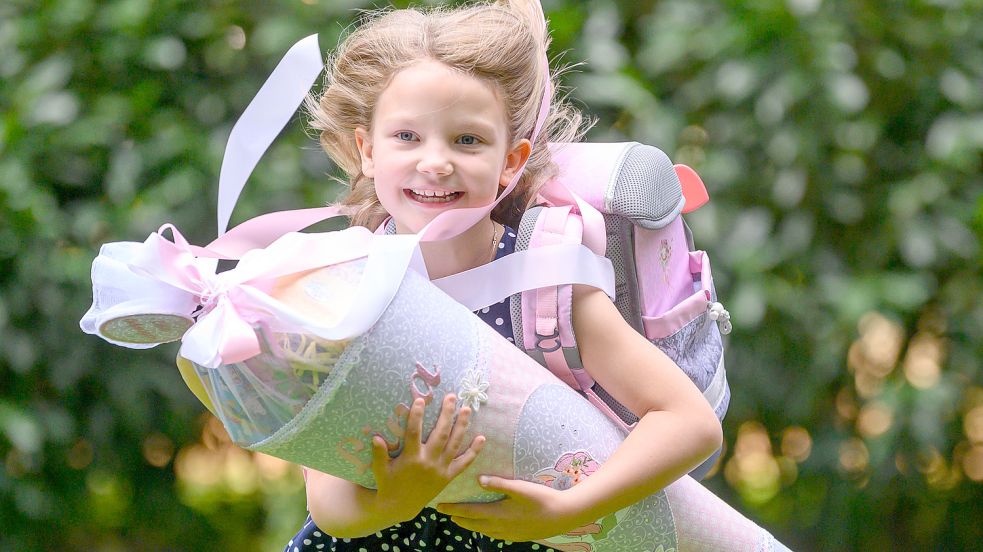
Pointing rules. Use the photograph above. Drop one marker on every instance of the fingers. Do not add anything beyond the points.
(497, 484)
(380, 458)
(457, 433)
(461, 463)
(414, 427)
(513, 488)
(446, 439)
(437, 440)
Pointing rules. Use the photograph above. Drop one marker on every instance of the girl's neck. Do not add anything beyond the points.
(472, 248)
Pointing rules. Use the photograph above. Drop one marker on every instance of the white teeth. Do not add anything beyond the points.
(433, 196)
(432, 193)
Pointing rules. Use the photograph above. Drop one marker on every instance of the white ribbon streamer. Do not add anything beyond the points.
(265, 116)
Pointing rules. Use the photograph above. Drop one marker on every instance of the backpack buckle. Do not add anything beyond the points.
(556, 344)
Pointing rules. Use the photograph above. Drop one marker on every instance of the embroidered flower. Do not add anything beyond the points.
(577, 466)
(569, 470)
(474, 390)
(665, 252)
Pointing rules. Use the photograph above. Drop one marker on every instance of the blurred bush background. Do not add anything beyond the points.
(841, 143)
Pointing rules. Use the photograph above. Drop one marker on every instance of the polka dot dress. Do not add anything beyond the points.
(430, 530)
(498, 316)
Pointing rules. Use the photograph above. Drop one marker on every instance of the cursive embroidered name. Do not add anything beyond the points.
(422, 384)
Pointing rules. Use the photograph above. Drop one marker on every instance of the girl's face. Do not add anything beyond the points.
(439, 141)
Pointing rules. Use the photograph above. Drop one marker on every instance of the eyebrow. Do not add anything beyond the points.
(480, 126)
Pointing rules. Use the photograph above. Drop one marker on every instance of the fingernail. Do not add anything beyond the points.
(483, 480)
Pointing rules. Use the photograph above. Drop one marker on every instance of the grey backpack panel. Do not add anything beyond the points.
(646, 190)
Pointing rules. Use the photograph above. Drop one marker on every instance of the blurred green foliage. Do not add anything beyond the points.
(841, 143)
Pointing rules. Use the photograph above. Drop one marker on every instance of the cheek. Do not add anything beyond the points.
(487, 169)
(384, 176)
(390, 174)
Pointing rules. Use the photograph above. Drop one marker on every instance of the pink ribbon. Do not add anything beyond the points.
(226, 316)
(228, 305)
(166, 277)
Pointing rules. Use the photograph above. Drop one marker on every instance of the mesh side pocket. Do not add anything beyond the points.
(620, 251)
(619, 409)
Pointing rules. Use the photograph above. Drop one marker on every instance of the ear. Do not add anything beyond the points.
(363, 141)
(514, 160)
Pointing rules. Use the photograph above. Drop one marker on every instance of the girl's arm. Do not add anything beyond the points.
(405, 484)
(676, 431)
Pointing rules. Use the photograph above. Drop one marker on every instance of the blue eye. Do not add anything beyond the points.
(405, 136)
(469, 140)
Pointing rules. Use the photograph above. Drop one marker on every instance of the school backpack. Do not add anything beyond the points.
(663, 285)
(624, 199)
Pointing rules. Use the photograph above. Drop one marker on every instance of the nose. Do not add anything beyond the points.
(435, 160)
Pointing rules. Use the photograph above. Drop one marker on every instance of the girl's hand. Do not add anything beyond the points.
(408, 482)
(529, 511)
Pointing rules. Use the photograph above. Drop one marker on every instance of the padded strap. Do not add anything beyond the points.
(550, 337)
(594, 235)
(550, 230)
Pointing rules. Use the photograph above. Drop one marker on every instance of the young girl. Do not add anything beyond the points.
(432, 111)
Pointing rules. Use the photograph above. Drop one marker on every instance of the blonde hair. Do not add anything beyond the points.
(502, 43)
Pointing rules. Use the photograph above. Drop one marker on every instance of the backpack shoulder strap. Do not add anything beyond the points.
(543, 318)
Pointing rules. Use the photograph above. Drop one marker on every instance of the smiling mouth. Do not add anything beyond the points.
(432, 196)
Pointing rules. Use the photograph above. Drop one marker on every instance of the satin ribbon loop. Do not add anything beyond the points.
(141, 290)
(209, 297)
(158, 291)
(219, 318)
(223, 335)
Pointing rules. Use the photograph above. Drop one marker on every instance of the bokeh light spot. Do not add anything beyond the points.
(875, 419)
(973, 463)
(846, 404)
(158, 449)
(877, 349)
(235, 37)
(973, 425)
(796, 443)
(923, 361)
(854, 457)
(753, 471)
